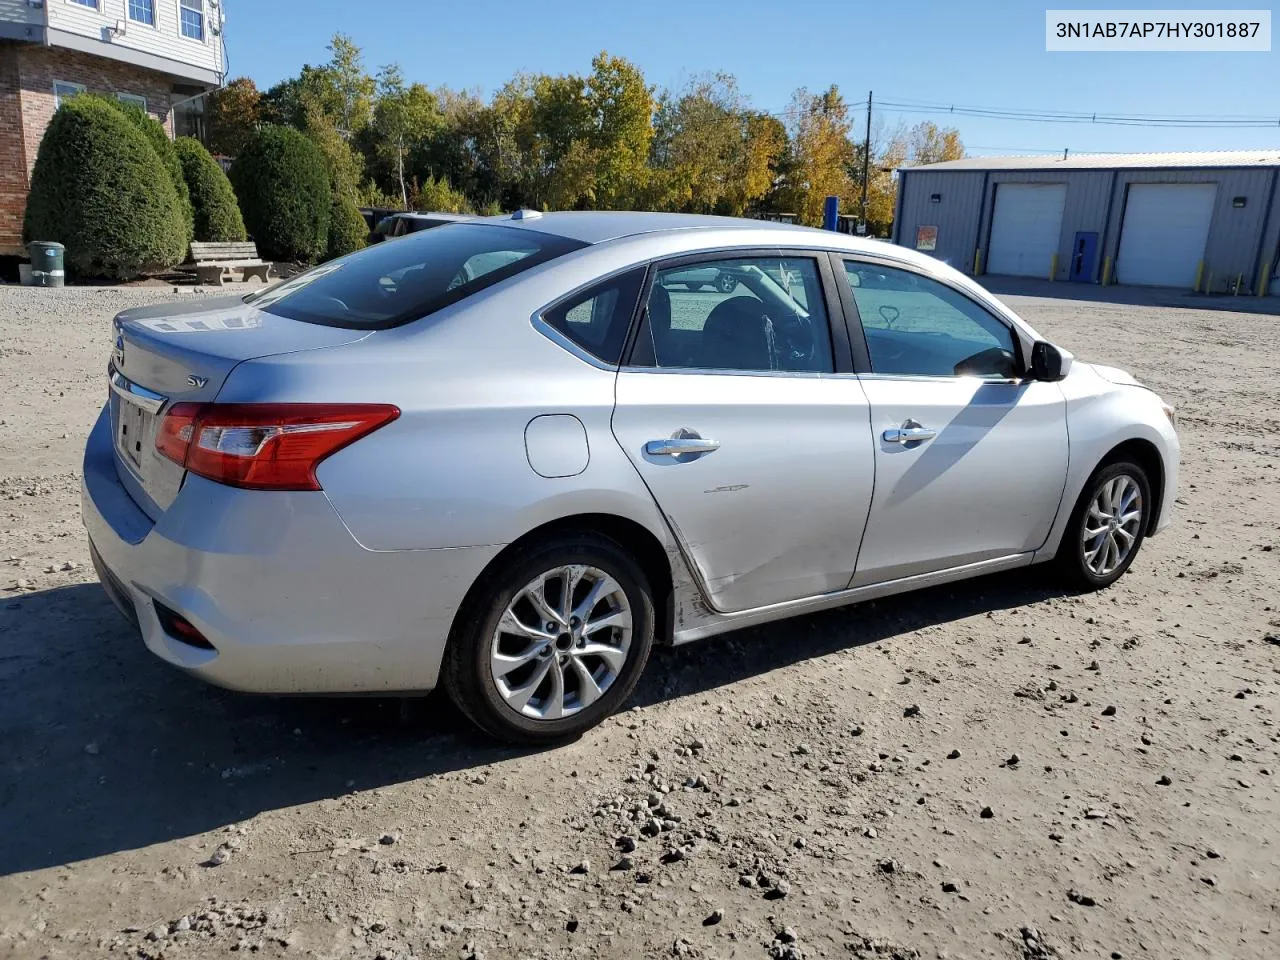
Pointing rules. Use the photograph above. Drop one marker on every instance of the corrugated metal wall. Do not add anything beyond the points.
(1235, 234)
(1086, 207)
(1241, 239)
(956, 213)
(1271, 238)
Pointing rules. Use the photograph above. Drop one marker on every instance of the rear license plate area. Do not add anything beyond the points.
(131, 430)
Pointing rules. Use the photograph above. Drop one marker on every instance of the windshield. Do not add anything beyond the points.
(393, 283)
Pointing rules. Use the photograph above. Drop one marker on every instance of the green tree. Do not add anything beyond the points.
(283, 187)
(438, 196)
(234, 112)
(622, 120)
(355, 88)
(403, 118)
(342, 162)
(158, 137)
(339, 90)
(217, 215)
(99, 188)
(347, 230)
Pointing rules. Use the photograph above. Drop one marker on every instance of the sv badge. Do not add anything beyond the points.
(196, 382)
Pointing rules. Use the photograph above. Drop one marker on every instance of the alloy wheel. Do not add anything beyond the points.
(561, 643)
(1111, 525)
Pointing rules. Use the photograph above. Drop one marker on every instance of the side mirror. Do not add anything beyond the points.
(1048, 362)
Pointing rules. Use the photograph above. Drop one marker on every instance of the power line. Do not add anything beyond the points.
(1169, 121)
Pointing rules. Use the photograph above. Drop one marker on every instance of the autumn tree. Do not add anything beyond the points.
(234, 113)
(928, 143)
(821, 151)
(711, 153)
(923, 143)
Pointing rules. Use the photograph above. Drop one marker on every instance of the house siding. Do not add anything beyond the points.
(165, 39)
(1242, 241)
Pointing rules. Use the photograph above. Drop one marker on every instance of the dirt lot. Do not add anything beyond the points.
(1086, 776)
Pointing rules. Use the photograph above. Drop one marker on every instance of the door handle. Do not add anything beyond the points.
(909, 432)
(678, 446)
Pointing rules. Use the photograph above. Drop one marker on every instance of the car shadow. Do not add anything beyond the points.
(109, 749)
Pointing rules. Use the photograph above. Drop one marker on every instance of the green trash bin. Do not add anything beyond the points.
(47, 263)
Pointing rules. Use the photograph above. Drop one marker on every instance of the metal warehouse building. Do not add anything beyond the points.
(1201, 221)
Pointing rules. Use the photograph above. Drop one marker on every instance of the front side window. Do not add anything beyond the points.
(136, 99)
(916, 326)
(751, 313)
(143, 11)
(596, 319)
(191, 16)
(393, 283)
(62, 90)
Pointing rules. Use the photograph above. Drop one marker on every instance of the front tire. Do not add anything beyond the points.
(1107, 526)
(553, 641)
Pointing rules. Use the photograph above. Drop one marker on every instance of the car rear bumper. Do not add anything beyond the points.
(289, 600)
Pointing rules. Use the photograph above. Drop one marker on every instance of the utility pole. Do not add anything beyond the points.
(866, 163)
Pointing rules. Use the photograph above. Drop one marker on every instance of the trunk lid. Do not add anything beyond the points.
(183, 352)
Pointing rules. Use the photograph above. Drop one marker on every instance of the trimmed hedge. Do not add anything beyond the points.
(213, 202)
(347, 230)
(283, 187)
(158, 137)
(100, 189)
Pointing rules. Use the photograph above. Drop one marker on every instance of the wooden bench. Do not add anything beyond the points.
(211, 262)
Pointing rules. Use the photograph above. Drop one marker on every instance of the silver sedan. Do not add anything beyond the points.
(507, 456)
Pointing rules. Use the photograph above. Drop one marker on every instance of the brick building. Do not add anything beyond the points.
(161, 54)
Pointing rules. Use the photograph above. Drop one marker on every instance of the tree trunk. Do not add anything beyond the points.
(404, 193)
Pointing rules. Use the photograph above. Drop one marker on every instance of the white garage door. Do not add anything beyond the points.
(1162, 238)
(1025, 228)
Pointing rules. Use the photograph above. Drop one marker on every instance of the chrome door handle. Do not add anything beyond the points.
(909, 432)
(678, 446)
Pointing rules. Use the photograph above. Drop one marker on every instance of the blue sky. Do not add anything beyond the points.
(970, 52)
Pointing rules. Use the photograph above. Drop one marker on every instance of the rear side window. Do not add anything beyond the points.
(393, 283)
(596, 319)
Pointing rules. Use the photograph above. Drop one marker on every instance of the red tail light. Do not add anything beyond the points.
(264, 446)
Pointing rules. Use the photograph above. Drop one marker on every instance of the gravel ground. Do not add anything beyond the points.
(993, 769)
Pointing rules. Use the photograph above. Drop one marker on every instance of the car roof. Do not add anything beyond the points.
(600, 226)
(435, 217)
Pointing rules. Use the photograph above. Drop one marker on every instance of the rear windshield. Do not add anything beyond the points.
(409, 277)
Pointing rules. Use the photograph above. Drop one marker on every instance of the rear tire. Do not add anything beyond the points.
(1107, 526)
(530, 666)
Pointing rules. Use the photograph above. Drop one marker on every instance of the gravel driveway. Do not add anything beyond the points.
(987, 769)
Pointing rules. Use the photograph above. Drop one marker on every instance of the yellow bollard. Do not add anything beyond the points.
(977, 263)
(1053, 267)
(1239, 283)
(1106, 270)
(1199, 277)
(1266, 277)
